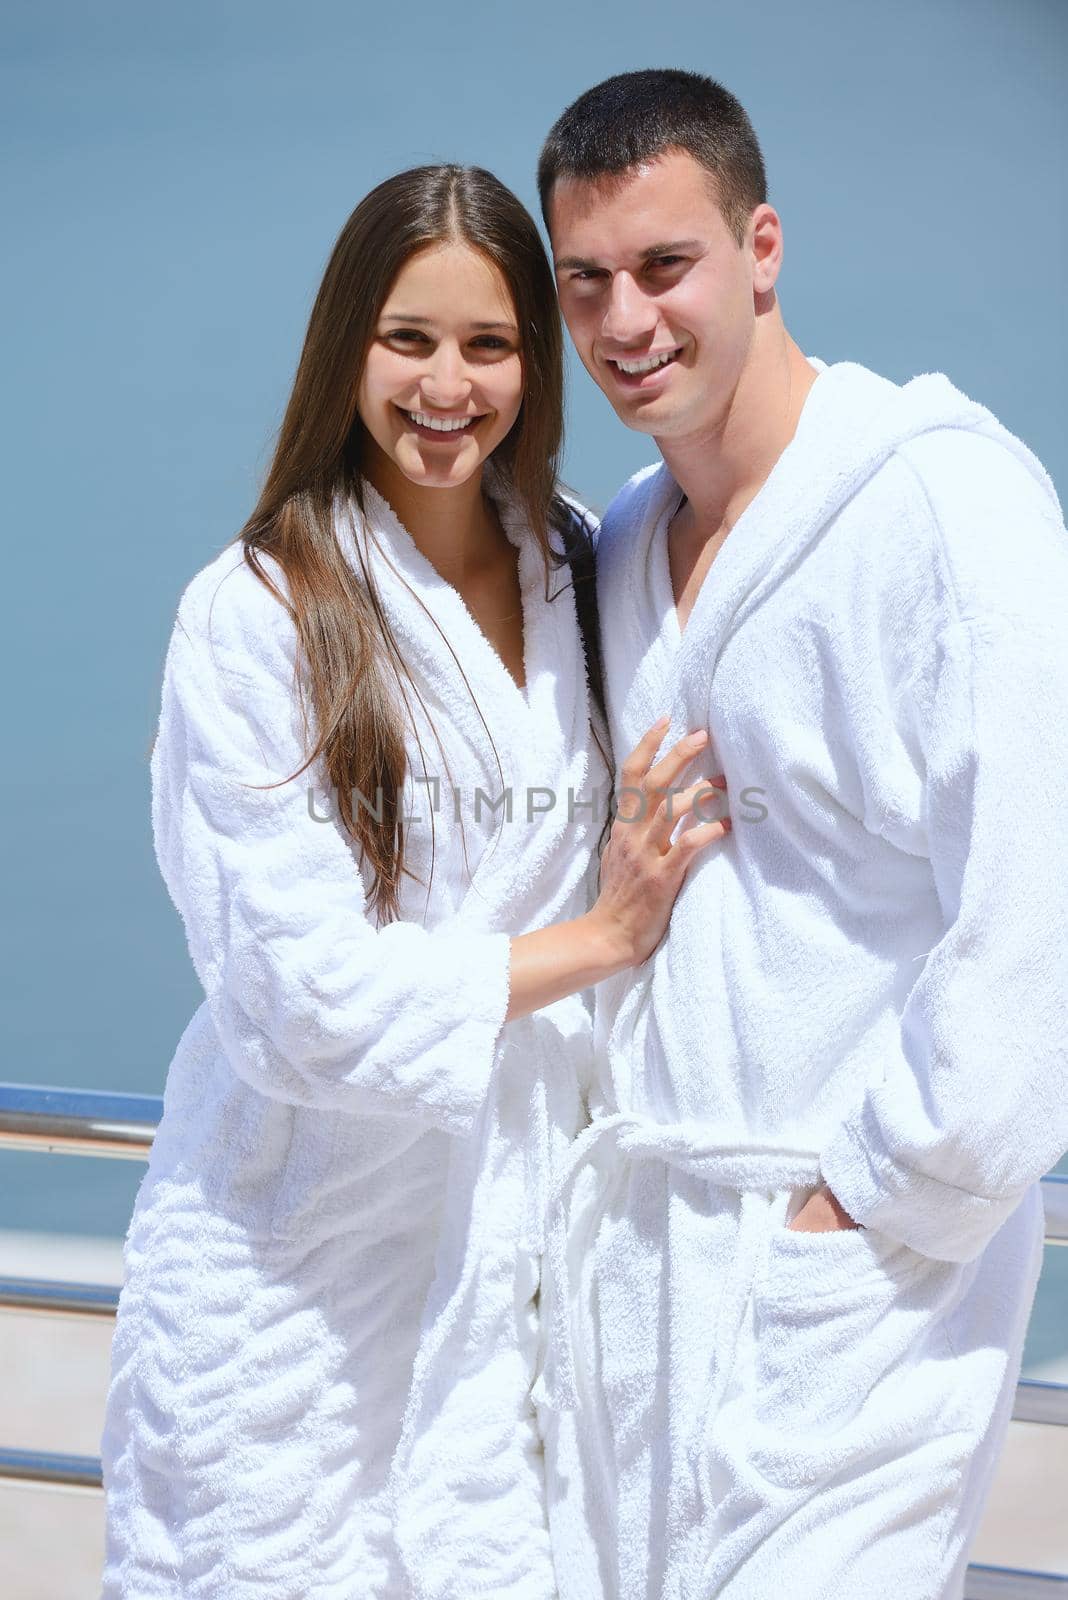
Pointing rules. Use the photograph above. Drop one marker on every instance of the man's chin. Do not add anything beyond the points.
(642, 417)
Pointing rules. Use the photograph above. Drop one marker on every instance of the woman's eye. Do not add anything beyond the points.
(490, 341)
(406, 335)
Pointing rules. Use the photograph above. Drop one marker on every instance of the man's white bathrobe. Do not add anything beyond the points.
(866, 983)
(327, 1335)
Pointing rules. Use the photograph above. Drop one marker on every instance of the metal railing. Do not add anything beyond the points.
(94, 1123)
(85, 1122)
(1012, 1583)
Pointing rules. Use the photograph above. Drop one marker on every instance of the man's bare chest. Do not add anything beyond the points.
(690, 560)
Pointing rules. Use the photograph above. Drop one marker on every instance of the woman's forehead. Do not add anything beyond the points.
(448, 279)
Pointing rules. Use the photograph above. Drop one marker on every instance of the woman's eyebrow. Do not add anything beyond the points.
(427, 322)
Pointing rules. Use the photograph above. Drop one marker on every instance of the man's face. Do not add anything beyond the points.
(657, 295)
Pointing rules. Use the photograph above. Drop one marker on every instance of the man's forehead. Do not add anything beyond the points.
(641, 211)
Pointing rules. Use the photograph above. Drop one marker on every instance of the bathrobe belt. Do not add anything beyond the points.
(756, 1169)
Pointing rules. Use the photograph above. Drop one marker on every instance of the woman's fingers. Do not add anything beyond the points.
(630, 801)
(638, 769)
(637, 763)
(667, 769)
(642, 868)
(643, 782)
(694, 839)
(701, 801)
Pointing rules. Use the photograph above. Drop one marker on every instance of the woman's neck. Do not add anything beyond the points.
(455, 529)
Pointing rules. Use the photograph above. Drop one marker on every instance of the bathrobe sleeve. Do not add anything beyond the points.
(973, 1107)
(313, 1004)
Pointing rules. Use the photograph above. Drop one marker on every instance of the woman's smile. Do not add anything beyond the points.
(436, 429)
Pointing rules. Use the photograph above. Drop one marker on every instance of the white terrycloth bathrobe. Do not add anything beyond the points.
(339, 1230)
(867, 983)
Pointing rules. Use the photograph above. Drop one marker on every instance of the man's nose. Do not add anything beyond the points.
(629, 315)
(446, 383)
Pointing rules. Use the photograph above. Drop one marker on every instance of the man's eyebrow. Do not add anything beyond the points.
(672, 247)
(426, 322)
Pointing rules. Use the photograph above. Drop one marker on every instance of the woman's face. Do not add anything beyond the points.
(443, 381)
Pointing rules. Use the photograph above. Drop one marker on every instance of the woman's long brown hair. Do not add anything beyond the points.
(354, 673)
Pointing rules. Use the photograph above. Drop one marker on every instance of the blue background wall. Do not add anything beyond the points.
(175, 176)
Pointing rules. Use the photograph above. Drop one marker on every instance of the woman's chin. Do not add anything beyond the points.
(436, 467)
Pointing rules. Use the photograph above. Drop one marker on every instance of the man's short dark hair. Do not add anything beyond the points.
(637, 116)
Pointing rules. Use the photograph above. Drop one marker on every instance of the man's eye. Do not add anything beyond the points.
(665, 261)
(585, 274)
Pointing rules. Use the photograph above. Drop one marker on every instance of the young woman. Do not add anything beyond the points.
(376, 804)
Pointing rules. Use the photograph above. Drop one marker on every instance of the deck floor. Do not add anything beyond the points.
(54, 1374)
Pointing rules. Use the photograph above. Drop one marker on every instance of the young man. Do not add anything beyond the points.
(803, 1232)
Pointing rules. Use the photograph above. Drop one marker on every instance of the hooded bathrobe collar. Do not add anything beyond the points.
(399, 566)
(538, 736)
(851, 423)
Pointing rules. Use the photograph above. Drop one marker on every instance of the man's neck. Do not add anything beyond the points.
(722, 468)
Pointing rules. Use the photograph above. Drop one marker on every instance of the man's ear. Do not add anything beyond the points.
(764, 239)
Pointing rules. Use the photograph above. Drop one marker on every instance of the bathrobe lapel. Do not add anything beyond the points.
(810, 481)
(536, 736)
(639, 625)
(443, 647)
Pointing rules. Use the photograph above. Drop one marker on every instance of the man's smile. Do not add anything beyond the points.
(636, 371)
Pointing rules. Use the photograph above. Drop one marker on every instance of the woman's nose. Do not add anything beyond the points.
(446, 382)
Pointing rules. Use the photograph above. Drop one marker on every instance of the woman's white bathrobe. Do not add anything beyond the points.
(867, 982)
(340, 1224)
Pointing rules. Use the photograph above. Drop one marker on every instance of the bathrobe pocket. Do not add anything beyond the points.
(849, 1334)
